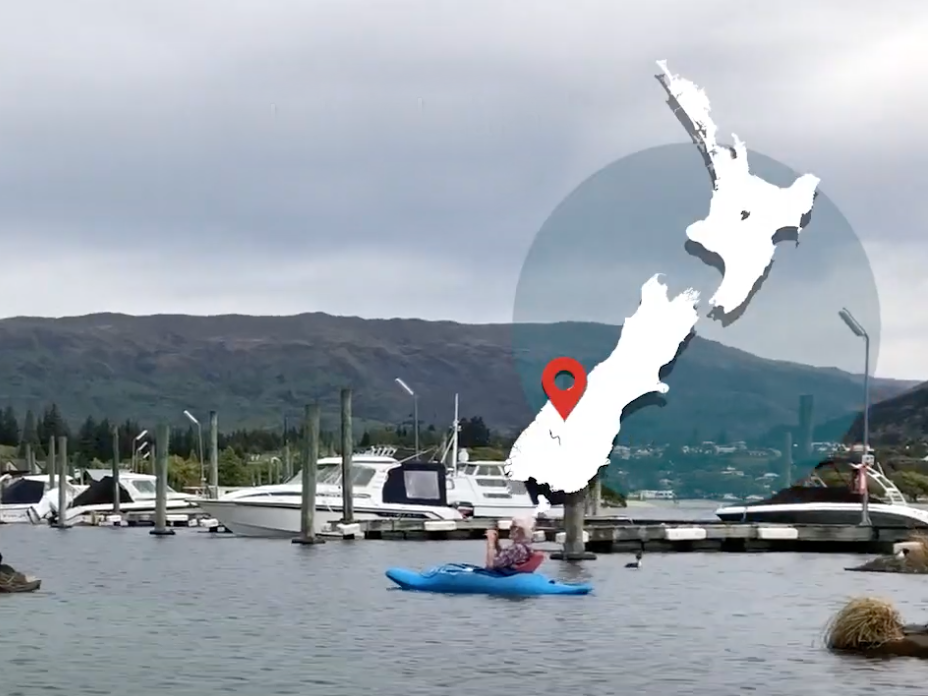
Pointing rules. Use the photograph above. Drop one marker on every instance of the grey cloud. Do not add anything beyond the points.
(404, 131)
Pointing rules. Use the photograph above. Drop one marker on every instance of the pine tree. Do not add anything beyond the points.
(30, 436)
(87, 441)
(9, 427)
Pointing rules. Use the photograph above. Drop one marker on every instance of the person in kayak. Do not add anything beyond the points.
(519, 550)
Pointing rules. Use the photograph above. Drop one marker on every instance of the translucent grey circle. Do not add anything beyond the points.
(626, 223)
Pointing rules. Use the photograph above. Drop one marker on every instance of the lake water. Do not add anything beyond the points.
(197, 615)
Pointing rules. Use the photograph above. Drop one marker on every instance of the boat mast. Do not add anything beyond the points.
(454, 438)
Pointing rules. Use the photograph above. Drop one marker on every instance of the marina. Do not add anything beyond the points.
(417, 499)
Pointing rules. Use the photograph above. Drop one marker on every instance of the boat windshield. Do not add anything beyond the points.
(331, 475)
(147, 488)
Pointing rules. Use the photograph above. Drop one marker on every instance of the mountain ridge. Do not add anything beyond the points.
(256, 369)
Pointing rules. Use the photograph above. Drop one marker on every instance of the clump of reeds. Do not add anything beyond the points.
(864, 623)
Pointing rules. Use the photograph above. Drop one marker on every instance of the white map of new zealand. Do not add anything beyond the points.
(745, 213)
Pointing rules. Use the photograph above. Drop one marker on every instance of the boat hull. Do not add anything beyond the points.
(263, 520)
(282, 519)
(826, 513)
(14, 514)
(500, 512)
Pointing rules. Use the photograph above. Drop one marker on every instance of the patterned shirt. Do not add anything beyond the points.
(515, 554)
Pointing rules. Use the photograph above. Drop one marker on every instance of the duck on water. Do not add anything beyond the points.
(637, 562)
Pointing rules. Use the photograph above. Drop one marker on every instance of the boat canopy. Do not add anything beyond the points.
(416, 483)
(23, 491)
(100, 492)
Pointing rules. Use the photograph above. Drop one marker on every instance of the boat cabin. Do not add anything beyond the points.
(28, 490)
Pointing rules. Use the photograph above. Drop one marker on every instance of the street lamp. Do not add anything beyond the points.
(415, 410)
(859, 331)
(200, 450)
(136, 450)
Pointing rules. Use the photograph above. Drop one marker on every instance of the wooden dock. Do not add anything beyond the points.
(610, 535)
(143, 519)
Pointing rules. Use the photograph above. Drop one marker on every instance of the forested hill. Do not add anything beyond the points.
(256, 370)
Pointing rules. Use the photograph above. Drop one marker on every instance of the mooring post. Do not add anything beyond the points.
(30, 462)
(288, 460)
(574, 548)
(347, 450)
(62, 482)
(51, 465)
(788, 459)
(214, 454)
(596, 495)
(117, 503)
(162, 440)
(308, 494)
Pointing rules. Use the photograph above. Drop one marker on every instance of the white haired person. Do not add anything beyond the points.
(518, 553)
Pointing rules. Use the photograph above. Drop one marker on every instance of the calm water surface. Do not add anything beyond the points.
(195, 614)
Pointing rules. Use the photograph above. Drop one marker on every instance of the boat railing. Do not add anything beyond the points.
(893, 494)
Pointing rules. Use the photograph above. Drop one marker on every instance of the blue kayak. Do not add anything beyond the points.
(461, 578)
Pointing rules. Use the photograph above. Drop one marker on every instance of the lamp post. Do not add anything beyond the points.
(859, 331)
(199, 450)
(136, 448)
(136, 451)
(415, 410)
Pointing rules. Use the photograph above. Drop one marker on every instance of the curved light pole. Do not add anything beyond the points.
(415, 410)
(200, 450)
(136, 451)
(859, 331)
(136, 448)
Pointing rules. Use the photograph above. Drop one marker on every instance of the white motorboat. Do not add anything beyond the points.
(381, 487)
(19, 493)
(837, 501)
(482, 488)
(136, 495)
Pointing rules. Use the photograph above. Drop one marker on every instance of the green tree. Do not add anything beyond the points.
(182, 473)
(911, 483)
(232, 469)
(474, 433)
(9, 427)
(30, 436)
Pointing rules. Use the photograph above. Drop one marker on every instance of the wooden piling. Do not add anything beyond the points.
(288, 458)
(308, 495)
(596, 494)
(62, 522)
(117, 503)
(51, 465)
(574, 517)
(347, 450)
(30, 459)
(788, 459)
(213, 454)
(162, 440)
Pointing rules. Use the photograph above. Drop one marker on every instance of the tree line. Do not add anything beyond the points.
(93, 440)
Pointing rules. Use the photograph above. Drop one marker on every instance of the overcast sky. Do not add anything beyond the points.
(399, 158)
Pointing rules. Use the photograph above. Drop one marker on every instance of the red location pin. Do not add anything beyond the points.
(564, 400)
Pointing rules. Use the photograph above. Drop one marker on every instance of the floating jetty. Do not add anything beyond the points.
(143, 519)
(613, 535)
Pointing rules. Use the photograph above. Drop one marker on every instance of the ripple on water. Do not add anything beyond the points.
(202, 615)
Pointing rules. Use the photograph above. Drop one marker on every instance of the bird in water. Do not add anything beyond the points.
(636, 563)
